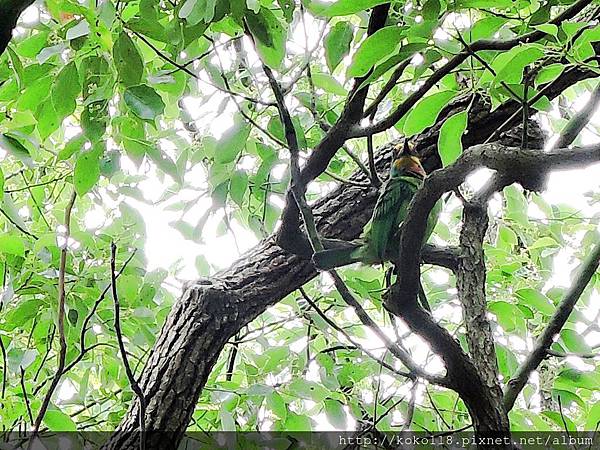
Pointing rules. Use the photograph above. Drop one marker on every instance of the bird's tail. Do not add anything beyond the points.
(337, 257)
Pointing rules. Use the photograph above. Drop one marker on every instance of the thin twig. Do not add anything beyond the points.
(557, 321)
(17, 226)
(24, 390)
(4, 367)
(61, 318)
(578, 122)
(339, 329)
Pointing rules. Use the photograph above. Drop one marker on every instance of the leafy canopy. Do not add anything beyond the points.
(145, 104)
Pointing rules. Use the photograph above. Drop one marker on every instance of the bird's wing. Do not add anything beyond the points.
(390, 210)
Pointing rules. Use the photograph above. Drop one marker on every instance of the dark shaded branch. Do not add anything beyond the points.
(386, 89)
(288, 236)
(26, 398)
(132, 381)
(557, 321)
(579, 121)
(516, 163)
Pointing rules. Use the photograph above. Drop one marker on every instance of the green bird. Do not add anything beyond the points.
(381, 236)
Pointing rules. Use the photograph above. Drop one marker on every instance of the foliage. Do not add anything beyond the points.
(130, 98)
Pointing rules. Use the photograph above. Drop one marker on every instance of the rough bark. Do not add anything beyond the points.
(470, 283)
(208, 315)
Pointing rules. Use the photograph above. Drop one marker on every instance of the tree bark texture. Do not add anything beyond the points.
(208, 314)
(470, 283)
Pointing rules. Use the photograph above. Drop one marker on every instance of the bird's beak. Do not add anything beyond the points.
(416, 168)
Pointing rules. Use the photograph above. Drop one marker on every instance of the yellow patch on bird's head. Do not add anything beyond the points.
(408, 164)
(406, 161)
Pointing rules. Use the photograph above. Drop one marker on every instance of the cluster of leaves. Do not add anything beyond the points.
(96, 101)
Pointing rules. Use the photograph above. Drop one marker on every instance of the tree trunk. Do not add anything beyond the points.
(470, 283)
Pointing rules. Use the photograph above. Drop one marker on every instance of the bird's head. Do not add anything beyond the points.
(406, 162)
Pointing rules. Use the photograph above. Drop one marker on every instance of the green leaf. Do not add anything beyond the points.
(485, 28)
(270, 36)
(144, 102)
(549, 73)
(94, 119)
(574, 341)
(544, 242)
(14, 146)
(65, 90)
(516, 205)
(56, 420)
(128, 60)
(233, 141)
(87, 170)
(509, 65)
(110, 163)
(227, 421)
(507, 361)
(573, 378)
(328, 84)
(164, 162)
(237, 186)
(450, 137)
(425, 112)
(72, 147)
(1, 185)
(538, 301)
(259, 28)
(196, 11)
(48, 120)
(12, 245)
(431, 10)
(296, 422)
(343, 7)
(16, 64)
(373, 49)
(287, 6)
(509, 316)
(337, 44)
(593, 417)
(277, 405)
(336, 414)
(308, 390)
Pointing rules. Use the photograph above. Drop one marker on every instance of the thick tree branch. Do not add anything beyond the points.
(209, 313)
(557, 321)
(470, 283)
(513, 162)
(579, 121)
